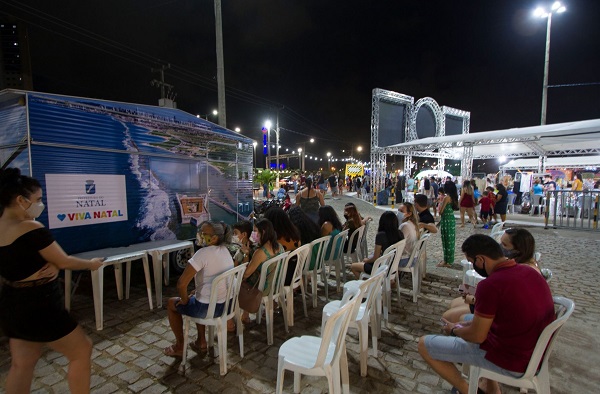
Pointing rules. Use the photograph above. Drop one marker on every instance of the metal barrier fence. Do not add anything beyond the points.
(572, 210)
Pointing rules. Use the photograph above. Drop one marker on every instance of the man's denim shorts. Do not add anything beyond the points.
(457, 350)
(195, 308)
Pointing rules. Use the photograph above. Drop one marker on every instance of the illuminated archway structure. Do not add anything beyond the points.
(396, 119)
(397, 131)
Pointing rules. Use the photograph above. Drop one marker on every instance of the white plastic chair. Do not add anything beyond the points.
(232, 280)
(390, 259)
(325, 356)
(413, 267)
(537, 201)
(371, 290)
(320, 245)
(303, 255)
(536, 375)
(336, 259)
(423, 256)
(496, 229)
(364, 247)
(272, 275)
(349, 256)
(511, 202)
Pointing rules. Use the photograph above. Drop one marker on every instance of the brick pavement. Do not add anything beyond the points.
(127, 356)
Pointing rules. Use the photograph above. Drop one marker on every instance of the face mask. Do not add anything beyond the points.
(346, 216)
(236, 240)
(509, 253)
(254, 237)
(35, 209)
(480, 271)
(400, 216)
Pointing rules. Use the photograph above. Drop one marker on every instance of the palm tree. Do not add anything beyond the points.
(267, 177)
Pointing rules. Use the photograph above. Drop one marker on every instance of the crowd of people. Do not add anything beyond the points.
(480, 328)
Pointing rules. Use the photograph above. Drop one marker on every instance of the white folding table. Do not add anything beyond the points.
(115, 257)
(160, 263)
(158, 250)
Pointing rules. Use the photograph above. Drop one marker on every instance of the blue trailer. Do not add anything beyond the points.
(115, 174)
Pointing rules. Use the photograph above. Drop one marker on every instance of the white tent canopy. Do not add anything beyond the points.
(435, 173)
(571, 138)
(553, 163)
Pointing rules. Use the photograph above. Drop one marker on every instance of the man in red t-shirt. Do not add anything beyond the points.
(486, 208)
(512, 308)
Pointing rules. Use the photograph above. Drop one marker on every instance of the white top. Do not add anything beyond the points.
(209, 262)
(410, 235)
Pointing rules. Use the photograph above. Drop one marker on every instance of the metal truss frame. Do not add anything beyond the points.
(507, 167)
(466, 168)
(568, 152)
(411, 132)
(378, 156)
(407, 165)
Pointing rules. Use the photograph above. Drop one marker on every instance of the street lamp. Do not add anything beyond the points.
(237, 130)
(254, 143)
(205, 116)
(303, 149)
(328, 160)
(540, 12)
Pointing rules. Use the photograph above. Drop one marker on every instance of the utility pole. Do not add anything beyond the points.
(220, 66)
(164, 101)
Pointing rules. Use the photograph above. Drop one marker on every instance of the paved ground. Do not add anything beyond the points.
(128, 355)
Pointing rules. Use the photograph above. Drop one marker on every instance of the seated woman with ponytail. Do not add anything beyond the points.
(207, 263)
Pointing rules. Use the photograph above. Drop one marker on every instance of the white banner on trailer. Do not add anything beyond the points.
(82, 199)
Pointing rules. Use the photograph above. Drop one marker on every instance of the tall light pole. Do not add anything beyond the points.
(303, 149)
(268, 125)
(328, 161)
(254, 153)
(540, 12)
(220, 65)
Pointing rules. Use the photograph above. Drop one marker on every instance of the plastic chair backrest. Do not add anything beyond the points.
(511, 198)
(303, 255)
(399, 247)
(232, 279)
(496, 229)
(354, 237)
(363, 240)
(369, 289)
(385, 259)
(545, 342)
(272, 273)
(336, 326)
(416, 252)
(321, 246)
(337, 247)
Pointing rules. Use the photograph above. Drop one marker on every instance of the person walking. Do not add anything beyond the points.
(467, 204)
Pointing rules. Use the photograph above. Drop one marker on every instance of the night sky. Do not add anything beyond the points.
(321, 59)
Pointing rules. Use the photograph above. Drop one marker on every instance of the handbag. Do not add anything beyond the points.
(250, 297)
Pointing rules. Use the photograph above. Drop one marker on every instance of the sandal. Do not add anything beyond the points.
(171, 352)
(443, 264)
(198, 348)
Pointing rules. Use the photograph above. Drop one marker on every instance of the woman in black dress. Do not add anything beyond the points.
(31, 309)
